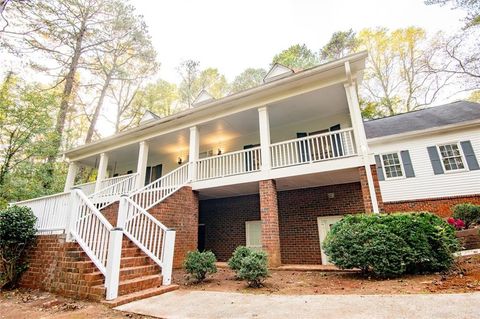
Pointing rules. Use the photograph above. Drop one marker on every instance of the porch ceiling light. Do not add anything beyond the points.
(180, 161)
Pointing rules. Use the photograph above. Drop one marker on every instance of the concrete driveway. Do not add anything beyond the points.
(209, 304)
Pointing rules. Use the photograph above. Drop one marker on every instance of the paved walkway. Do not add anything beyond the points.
(203, 304)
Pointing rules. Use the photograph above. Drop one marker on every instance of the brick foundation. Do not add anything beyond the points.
(440, 206)
(299, 209)
(270, 222)
(367, 201)
(224, 221)
(51, 268)
(180, 212)
(469, 238)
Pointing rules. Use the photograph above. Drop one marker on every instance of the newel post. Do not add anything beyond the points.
(168, 250)
(112, 275)
(72, 215)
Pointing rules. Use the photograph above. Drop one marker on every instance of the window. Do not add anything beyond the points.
(254, 234)
(392, 165)
(451, 157)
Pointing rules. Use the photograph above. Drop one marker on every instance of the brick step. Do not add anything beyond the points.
(140, 283)
(125, 274)
(132, 252)
(142, 294)
(131, 285)
(135, 261)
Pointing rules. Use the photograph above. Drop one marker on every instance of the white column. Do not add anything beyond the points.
(264, 124)
(194, 151)
(72, 172)
(142, 164)
(361, 139)
(102, 171)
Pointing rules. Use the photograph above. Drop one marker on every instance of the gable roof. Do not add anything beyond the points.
(202, 98)
(277, 71)
(148, 116)
(433, 117)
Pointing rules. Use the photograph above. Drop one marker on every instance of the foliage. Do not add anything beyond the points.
(200, 264)
(468, 213)
(235, 262)
(296, 57)
(188, 71)
(247, 79)
(471, 6)
(341, 43)
(17, 234)
(253, 269)
(398, 77)
(392, 245)
(458, 224)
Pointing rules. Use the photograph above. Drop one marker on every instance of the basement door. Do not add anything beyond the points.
(325, 223)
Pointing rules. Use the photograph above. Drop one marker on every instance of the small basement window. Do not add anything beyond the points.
(452, 158)
(392, 165)
(254, 234)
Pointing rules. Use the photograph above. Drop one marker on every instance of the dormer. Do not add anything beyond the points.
(202, 98)
(148, 117)
(278, 71)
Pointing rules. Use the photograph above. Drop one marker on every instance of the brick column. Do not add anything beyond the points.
(180, 212)
(269, 216)
(367, 201)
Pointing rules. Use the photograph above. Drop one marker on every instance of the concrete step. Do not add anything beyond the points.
(140, 295)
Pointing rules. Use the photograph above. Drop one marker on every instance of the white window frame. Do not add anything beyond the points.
(247, 231)
(458, 170)
(401, 166)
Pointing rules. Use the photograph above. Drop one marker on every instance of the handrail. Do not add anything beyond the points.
(39, 198)
(153, 193)
(312, 136)
(90, 229)
(125, 185)
(229, 154)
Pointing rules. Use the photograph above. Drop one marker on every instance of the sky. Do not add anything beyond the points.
(234, 35)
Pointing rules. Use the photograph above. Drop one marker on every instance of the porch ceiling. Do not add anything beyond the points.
(295, 182)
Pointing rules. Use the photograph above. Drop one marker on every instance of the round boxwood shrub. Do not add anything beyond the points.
(200, 264)
(468, 213)
(17, 234)
(392, 245)
(235, 262)
(253, 269)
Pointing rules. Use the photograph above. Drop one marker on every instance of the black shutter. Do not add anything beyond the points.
(469, 155)
(378, 163)
(435, 160)
(337, 141)
(147, 175)
(407, 164)
(157, 170)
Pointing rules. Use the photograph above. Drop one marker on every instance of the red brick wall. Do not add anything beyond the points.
(440, 206)
(469, 238)
(298, 212)
(51, 268)
(365, 190)
(224, 221)
(180, 211)
(111, 213)
(269, 216)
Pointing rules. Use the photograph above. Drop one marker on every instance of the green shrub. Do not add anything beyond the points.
(17, 234)
(235, 262)
(200, 264)
(254, 269)
(469, 213)
(391, 245)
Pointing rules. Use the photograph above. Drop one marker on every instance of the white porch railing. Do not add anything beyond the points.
(153, 193)
(313, 148)
(150, 235)
(90, 229)
(234, 163)
(112, 188)
(87, 188)
(51, 212)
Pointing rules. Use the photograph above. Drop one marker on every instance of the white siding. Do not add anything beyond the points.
(425, 184)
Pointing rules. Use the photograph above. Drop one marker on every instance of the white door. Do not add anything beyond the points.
(324, 225)
(253, 231)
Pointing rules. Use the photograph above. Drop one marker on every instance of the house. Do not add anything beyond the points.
(272, 167)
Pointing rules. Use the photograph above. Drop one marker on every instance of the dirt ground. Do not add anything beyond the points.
(27, 304)
(465, 278)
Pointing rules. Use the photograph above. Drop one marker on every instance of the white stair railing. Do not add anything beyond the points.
(51, 212)
(90, 229)
(155, 192)
(150, 235)
(87, 188)
(112, 188)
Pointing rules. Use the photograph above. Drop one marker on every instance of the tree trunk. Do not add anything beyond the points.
(98, 108)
